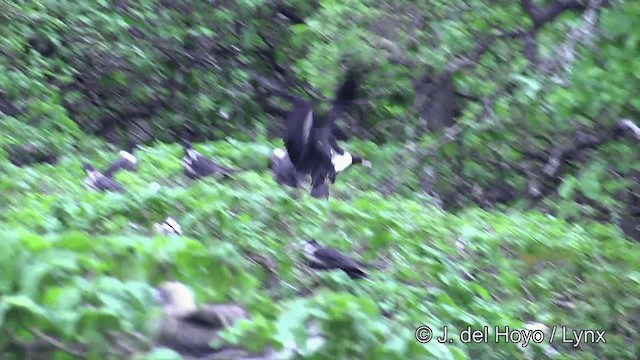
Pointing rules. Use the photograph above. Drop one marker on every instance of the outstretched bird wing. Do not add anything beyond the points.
(302, 131)
(345, 95)
(300, 124)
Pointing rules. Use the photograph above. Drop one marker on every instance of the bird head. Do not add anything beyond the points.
(131, 147)
(129, 152)
(309, 247)
(175, 298)
(279, 153)
(276, 158)
(87, 167)
(361, 161)
(186, 143)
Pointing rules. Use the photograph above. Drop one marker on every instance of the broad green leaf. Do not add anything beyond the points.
(23, 302)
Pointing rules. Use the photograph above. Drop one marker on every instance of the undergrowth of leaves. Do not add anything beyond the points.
(80, 265)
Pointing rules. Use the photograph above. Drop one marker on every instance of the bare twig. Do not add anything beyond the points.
(481, 47)
(58, 344)
(268, 265)
(289, 13)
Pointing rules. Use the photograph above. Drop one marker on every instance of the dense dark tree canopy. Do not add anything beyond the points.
(505, 187)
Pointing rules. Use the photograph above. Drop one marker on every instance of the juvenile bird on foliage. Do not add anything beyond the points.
(197, 165)
(98, 181)
(324, 258)
(125, 161)
(28, 154)
(190, 330)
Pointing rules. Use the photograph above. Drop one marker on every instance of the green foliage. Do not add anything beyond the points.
(79, 265)
(127, 67)
(152, 70)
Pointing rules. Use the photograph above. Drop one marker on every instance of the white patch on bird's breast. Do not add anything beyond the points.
(341, 162)
(129, 156)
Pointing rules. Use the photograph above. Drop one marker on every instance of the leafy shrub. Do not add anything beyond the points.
(79, 265)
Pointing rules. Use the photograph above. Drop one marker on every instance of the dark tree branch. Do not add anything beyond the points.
(580, 34)
(119, 116)
(6, 106)
(289, 13)
(530, 50)
(541, 15)
(452, 133)
(467, 96)
(269, 267)
(583, 141)
(546, 14)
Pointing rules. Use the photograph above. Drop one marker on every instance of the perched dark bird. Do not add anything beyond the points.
(168, 227)
(311, 145)
(189, 330)
(323, 258)
(28, 154)
(197, 165)
(98, 181)
(125, 161)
